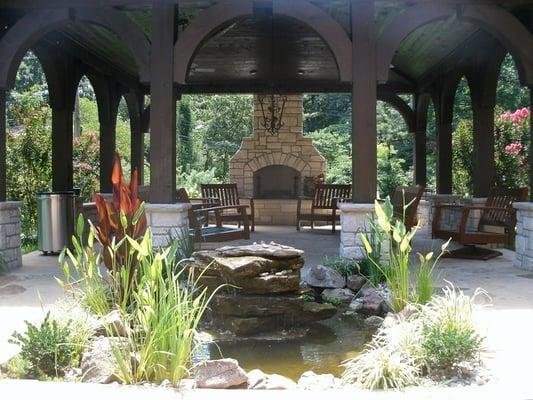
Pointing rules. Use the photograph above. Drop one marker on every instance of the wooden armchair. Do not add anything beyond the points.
(497, 213)
(410, 196)
(325, 197)
(228, 195)
(199, 217)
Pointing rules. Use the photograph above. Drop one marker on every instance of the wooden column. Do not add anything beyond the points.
(364, 97)
(62, 147)
(3, 144)
(135, 103)
(420, 150)
(443, 99)
(108, 95)
(483, 80)
(163, 105)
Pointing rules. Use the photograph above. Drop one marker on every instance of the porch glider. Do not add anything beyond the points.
(496, 224)
(199, 214)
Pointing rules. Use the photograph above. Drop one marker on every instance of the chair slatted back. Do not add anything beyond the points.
(327, 195)
(227, 193)
(501, 198)
(410, 196)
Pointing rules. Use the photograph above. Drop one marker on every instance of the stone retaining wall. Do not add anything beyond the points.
(167, 222)
(10, 251)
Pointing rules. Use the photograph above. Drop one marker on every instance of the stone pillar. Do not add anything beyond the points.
(354, 221)
(524, 236)
(167, 222)
(10, 252)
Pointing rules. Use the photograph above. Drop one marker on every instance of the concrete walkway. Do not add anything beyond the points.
(507, 322)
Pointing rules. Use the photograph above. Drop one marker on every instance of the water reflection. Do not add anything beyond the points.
(327, 344)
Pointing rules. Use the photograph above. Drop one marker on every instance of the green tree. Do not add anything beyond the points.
(186, 156)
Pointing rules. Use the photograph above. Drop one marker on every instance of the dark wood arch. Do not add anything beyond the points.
(30, 28)
(401, 106)
(224, 13)
(493, 19)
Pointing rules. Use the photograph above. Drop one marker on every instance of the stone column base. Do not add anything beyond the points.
(354, 221)
(524, 236)
(10, 252)
(167, 222)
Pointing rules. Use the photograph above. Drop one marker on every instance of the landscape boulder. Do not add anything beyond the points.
(320, 276)
(98, 362)
(370, 301)
(355, 282)
(111, 325)
(311, 381)
(219, 374)
(344, 296)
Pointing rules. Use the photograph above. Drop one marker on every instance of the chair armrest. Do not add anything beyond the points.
(221, 208)
(485, 208)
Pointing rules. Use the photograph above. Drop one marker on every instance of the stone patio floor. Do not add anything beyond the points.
(506, 321)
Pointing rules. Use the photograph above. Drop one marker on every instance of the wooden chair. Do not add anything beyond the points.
(325, 197)
(410, 196)
(498, 212)
(199, 217)
(228, 195)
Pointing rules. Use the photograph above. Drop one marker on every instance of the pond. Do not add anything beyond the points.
(322, 350)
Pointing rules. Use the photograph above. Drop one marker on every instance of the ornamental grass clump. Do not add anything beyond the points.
(437, 337)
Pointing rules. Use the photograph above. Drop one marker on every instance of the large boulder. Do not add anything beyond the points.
(311, 381)
(219, 374)
(256, 305)
(344, 296)
(270, 250)
(321, 276)
(98, 363)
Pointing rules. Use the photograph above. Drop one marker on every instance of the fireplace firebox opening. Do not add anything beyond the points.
(277, 182)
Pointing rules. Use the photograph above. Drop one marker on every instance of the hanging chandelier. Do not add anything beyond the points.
(272, 108)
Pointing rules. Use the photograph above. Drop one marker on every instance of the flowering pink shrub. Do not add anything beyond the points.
(514, 148)
(511, 145)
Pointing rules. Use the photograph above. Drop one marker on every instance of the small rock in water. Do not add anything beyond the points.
(219, 374)
(324, 277)
(256, 378)
(340, 295)
(311, 381)
(373, 321)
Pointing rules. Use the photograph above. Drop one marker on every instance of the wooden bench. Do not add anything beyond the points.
(498, 212)
(199, 217)
(228, 195)
(325, 197)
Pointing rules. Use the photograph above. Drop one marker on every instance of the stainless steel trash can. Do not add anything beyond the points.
(55, 220)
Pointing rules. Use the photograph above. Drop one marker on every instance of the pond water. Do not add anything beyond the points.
(322, 350)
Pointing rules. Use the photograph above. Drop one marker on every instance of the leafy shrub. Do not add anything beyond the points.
(449, 334)
(18, 367)
(47, 348)
(191, 180)
(438, 336)
(343, 266)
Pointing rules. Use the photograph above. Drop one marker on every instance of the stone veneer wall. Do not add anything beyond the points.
(289, 147)
(354, 221)
(10, 251)
(524, 236)
(167, 222)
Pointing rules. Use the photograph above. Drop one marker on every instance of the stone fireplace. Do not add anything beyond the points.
(275, 169)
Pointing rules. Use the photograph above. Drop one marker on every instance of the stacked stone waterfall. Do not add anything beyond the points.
(258, 288)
